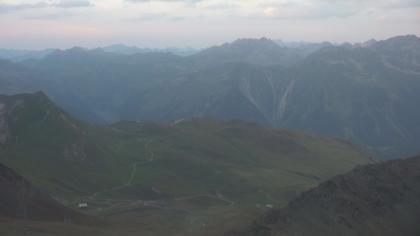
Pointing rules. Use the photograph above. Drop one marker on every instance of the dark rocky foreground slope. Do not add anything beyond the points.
(379, 199)
(18, 199)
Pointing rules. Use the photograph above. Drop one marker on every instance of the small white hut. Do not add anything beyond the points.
(83, 205)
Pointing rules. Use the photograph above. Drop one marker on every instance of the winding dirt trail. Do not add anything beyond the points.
(121, 206)
(132, 172)
(135, 165)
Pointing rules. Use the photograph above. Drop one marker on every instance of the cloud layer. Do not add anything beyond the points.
(7, 7)
(200, 22)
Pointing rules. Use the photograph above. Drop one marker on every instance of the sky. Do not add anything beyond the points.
(37, 24)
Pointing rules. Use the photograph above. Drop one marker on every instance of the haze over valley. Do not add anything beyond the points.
(209, 118)
(365, 93)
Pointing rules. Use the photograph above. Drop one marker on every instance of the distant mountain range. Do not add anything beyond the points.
(19, 55)
(364, 93)
(380, 199)
(129, 50)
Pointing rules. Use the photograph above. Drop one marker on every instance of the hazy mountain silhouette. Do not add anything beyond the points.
(366, 93)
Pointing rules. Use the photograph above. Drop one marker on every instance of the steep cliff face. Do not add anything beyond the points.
(379, 199)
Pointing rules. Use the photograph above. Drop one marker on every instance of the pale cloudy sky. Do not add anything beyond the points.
(199, 23)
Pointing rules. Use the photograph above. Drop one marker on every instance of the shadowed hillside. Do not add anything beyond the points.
(379, 199)
(18, 199)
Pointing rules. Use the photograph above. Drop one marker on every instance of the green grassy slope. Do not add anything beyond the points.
(52, 149)
(240, 160)
(205, 174)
